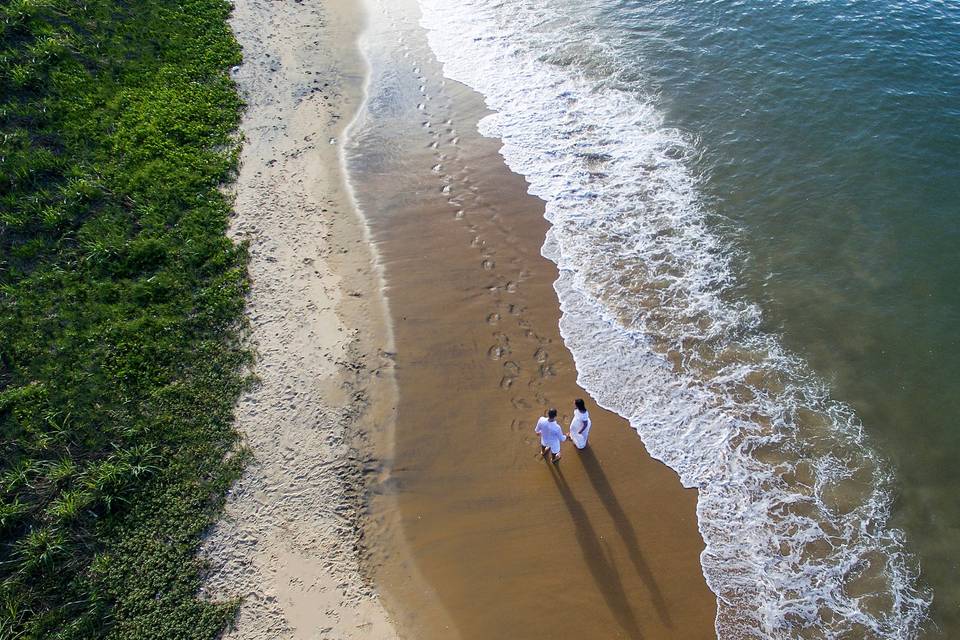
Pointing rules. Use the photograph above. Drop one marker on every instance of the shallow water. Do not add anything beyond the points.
(755, 217)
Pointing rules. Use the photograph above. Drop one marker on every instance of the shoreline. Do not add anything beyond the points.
(354, 521)
(292, 542)
(479, 356)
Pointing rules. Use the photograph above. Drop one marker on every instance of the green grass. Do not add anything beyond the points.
(121, 314)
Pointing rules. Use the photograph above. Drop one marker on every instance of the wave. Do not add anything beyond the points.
(793, 503)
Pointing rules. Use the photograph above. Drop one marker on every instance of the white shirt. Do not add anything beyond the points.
(551, 435)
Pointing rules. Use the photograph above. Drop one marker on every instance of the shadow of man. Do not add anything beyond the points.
(603, 571)
(625, 528)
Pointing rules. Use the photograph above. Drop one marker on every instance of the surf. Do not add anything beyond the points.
(794, 503)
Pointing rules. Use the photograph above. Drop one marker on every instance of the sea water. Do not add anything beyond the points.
(755, 213)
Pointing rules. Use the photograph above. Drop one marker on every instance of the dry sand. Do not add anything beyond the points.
(291, 543)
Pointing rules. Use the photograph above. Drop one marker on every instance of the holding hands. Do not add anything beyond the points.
(551, 434)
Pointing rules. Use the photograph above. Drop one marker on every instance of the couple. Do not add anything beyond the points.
(551, 435)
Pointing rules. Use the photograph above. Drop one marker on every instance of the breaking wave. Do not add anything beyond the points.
(793, 503)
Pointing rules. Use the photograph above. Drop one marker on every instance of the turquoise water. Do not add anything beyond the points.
(830, 139)
(756, 214)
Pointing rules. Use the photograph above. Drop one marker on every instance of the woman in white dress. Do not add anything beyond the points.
(580, 424)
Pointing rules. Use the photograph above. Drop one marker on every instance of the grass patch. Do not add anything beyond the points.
(121, 313)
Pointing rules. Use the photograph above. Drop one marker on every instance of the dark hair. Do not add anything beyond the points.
(552, 414)
(579, 403)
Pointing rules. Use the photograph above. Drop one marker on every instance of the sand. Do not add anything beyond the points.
(606, 545)
(291, 542)
(396, 489)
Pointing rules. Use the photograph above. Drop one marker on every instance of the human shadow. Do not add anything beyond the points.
(625, 528)
(603, 571)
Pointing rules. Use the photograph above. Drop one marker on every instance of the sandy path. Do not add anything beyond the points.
(291, 542)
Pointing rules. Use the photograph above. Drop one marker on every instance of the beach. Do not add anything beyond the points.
(603, 545)
(356, 519)
(285, 288)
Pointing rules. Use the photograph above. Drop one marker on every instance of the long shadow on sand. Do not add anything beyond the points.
(625, 528)
(604, 571)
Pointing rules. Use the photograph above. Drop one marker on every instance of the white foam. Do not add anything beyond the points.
(793, 504)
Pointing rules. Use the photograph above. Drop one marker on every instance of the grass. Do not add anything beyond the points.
(121, 314)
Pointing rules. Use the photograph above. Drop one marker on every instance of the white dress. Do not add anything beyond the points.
(580, 421)
(551, 435)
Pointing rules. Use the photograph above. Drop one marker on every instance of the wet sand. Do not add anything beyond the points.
(605, 545)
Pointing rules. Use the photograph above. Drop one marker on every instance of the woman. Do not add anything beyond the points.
(580, 425)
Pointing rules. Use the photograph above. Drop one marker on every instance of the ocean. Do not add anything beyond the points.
(755, 212)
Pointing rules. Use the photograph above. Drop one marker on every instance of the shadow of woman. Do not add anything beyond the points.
(625, 528)
(603, 571)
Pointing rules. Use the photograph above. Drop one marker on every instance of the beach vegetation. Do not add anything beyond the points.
(121, 314)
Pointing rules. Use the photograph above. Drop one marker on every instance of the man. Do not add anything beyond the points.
(551, 435)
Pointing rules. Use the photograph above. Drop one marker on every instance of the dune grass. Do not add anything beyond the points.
(121, 319)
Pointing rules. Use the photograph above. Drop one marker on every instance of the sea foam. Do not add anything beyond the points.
(793, 503)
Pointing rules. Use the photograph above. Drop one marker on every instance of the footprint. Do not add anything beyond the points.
(506, 382)
(493, 318)
(540, 355)
(459, 214)
(511, 287)
(521, 403)
(546, 371)
(512, 368)
(488, 264)
(495, 352)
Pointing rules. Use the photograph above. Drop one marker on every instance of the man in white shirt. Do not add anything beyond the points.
(551, 435)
